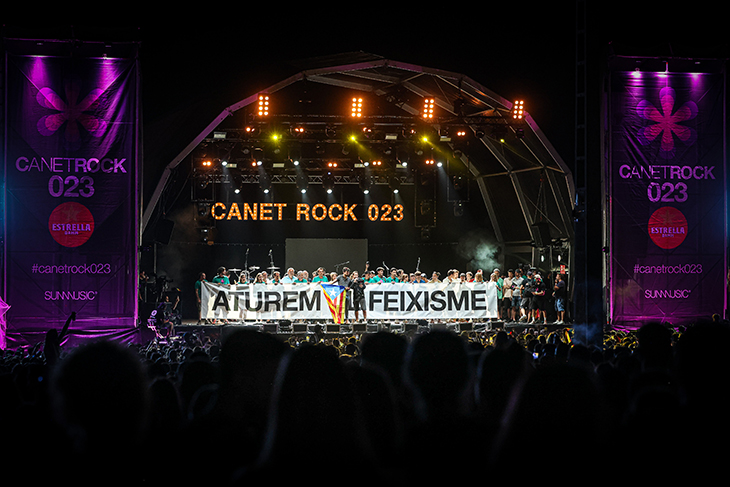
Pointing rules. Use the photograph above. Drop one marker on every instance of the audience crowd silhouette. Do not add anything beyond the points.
(397, 409)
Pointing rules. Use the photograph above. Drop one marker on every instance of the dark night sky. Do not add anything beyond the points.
(195, 67)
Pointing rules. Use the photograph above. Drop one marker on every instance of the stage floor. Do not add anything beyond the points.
(372, 326)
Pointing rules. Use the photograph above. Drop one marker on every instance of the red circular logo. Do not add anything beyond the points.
(71, 224)
(668, 227)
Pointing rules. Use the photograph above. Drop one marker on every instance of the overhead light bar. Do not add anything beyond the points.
(263, 106)
(518, 110)
(356, 109)
(428, 109)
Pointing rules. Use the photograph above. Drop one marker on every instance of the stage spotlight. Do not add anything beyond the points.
(428, 109)
(356, 107)
(518, 110)
(408, 133)
(328, 182)
(264, 182)
(297, 130)
(365, 182)
(394, 184)
(430, 162)
(332, 165)
(203, 209)
(458, 209)
(263, 106)
(302, 183)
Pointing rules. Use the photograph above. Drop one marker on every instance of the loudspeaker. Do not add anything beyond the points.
(299, 328)
(541, 234)
(359, 327)
(271, 328)
(332, 328)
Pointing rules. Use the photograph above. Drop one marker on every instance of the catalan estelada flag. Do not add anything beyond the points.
(336, 297)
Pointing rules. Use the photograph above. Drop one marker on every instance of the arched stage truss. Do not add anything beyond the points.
(525, 186)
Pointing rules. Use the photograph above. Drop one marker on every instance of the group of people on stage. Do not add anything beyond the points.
(523, 295)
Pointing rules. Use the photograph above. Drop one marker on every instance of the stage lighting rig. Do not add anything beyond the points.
(365, 182)
(302, 182)
(265, 182)
(263, 106)
(518, 110)
(356, 107)
(428, 111)
(328, 182)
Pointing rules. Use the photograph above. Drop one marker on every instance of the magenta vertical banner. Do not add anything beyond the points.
(71, 180)
(667, 197)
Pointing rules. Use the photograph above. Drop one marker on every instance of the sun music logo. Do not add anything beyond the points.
(667, 227)
(71, 224)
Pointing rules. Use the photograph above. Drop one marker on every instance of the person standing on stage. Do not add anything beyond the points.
(301, 279)
(346, 281)
(507, 293)
(221, 279)
(320, 276)
(538, 298)
(199, 292)
(393, 277)
(358, 296)
(290, 276)
(522, 294)
(559, 295)
(379, 278)
(500, 293)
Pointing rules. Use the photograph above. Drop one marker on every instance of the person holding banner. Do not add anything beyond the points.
(320, 276)
(290, 276)
(198, 286)
(221, 279)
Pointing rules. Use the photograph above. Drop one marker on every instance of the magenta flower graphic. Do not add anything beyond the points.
(667, 122)
(73, 113)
